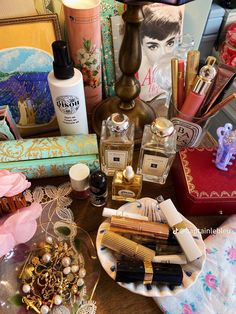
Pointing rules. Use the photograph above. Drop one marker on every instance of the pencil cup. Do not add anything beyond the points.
(190, 130)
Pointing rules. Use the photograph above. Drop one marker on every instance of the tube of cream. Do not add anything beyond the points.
(182, 233)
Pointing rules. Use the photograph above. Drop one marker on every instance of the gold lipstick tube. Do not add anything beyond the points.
(174, 81)
(127, 247)
(193, 59)
(141, 227)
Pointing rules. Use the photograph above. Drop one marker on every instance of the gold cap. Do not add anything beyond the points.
(162, 127)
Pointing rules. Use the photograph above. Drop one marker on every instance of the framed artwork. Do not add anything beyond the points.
(25, 60)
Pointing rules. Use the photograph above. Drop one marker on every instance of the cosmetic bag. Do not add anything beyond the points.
(201, 188)
(49, 156)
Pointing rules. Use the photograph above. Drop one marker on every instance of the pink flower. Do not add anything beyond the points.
(187, 309)
(19, 227)
(12, 183)
(210, 281)
(232, 253)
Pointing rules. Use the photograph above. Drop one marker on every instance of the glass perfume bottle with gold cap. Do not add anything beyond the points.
(117, 143)
(157, 151)
(126, 185)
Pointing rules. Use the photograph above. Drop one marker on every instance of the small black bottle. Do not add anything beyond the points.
(98, 188)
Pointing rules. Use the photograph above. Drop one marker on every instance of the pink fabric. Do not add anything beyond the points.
(12, 183)
(19, 227)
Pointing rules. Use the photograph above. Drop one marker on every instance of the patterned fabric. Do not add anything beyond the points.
(215, 290)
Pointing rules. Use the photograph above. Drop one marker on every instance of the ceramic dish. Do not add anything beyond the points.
(191, 271)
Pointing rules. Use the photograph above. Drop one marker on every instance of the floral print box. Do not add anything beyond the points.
(49, 157)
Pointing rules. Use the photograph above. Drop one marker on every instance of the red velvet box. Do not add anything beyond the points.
(201, 188)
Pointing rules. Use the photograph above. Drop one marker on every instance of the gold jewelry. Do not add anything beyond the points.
(51, 276)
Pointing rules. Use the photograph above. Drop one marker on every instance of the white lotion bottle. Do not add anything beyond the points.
(67, 91)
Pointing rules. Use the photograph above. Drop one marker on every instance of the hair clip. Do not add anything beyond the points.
(226, 146)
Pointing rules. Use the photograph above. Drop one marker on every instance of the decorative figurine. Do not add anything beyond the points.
(227, 146)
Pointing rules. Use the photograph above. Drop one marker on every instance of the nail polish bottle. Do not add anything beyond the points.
(98, 188)
(79, 179)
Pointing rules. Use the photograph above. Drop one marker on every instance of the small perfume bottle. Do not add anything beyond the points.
(157, 151)
(98, 188)
(117, 143)
(126, 185)
(79, 179)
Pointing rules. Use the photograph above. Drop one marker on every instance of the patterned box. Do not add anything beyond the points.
(49, 157)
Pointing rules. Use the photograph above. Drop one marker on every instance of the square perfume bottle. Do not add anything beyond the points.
(126, 185)
(157, 151)
(116, 144)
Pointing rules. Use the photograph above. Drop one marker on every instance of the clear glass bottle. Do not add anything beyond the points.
(157, 151)
(116, 143)
(126, 185)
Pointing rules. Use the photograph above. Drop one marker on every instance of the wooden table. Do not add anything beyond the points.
(109, 296)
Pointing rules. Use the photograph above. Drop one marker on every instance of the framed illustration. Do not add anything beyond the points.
(25, 60)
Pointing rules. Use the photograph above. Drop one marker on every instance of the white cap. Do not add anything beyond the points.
(128, 173)
(170, 212)
(79, 177)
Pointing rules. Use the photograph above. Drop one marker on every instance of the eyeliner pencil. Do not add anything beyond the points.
(174, 81)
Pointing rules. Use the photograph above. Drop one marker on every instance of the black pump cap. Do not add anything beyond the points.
(62, 65)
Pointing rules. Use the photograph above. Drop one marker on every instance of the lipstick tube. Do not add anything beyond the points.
(181, 232)
(181, 90)
(193, 59)
(163, 248)
(149, 273)
(127, 247)
(109, 212)
(196, 97)
(170, 259)
(145, 228)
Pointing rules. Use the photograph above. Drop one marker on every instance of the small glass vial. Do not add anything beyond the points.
(126, 185)
(98, 188)
(117, 143)
(157, 151)
(79, 179)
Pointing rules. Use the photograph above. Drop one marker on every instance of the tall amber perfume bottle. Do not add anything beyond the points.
(117, 143)
(158, 150)
(126, 185)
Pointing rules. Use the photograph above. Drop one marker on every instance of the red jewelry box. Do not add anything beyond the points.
(201, 188)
